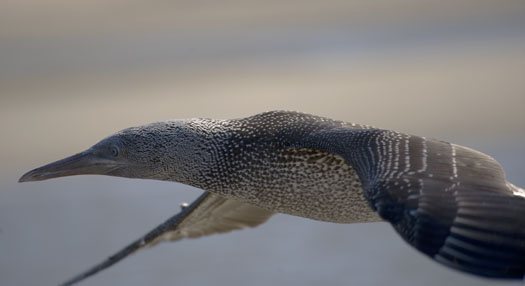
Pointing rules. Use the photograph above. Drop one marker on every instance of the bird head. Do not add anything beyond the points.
(169, 150)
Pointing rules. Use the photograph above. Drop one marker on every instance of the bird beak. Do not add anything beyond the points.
(80, 164)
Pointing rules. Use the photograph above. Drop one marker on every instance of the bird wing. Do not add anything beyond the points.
(449, 202)
(208, 214)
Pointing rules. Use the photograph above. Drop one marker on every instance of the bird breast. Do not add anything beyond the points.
(302, 182)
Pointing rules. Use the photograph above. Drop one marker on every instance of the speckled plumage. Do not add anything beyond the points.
(258, 167)
(247, 159)
(449, 202)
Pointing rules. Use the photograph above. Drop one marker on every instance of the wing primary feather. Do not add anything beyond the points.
(140, 243)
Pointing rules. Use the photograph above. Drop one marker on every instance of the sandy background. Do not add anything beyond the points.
(72, 73)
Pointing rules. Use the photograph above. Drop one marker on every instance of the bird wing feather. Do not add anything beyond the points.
(215, 214)
(450, 202)
(208, 214)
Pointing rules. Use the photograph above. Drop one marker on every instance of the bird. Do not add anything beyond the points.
(449, 202)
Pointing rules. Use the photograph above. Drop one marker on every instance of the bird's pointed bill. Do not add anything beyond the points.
(83, 163)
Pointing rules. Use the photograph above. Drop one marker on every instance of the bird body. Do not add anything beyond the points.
(450, 202)
(241, 159)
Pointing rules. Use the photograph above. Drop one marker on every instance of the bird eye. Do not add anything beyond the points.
(114, 151)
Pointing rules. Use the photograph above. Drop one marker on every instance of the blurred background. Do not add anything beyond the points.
(73, 72)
